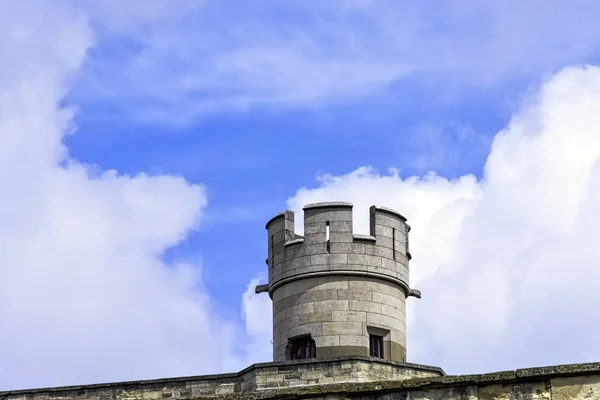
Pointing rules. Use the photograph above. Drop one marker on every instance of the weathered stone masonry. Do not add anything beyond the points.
(258, 377)
(332, 381)
(336, 286)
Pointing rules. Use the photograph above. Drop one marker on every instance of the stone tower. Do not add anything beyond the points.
(336, 293)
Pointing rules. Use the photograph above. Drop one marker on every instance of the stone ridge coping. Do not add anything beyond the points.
(440, 382)
(356, 237)
(372, 360)
(326, 204)
(344, 272)
(333, 204)
(281, 214)
(368, 238)
(227, 376)
(217, 377)
(292, 242)
(390, 211)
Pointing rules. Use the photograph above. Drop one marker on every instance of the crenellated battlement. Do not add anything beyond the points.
(329, 245)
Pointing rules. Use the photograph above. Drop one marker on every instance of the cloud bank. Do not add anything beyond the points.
(84, 291)
(194, 58)
(508, 265)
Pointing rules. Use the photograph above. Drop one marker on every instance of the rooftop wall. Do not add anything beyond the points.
(281, 381)
(258, 377)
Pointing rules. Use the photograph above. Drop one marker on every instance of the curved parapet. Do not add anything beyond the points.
(329, 246)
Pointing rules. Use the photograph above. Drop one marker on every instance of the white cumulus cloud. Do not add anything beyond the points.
(85, 294)
(257, 312)
(508, 264)
(196, 57)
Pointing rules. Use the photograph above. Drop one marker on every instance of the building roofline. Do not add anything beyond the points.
(215, 377)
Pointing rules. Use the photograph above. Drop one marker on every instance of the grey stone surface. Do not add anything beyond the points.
(357, 378)
(394, 213)
(335, 284)
(327, 204)
(367, 238)
(258, 378)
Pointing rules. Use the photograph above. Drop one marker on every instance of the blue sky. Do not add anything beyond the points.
(146, 144)
(251, 163)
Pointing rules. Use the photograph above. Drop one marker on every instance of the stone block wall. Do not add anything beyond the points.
(254, 379)
(566, 382)
(317, 373)
(383, 253)
(356, 379)
(340, 314)
(505, 386)
(338, 286)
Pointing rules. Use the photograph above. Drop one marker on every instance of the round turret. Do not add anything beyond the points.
(336, 293)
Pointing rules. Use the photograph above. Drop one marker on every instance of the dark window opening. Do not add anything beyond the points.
(327, 236)
(394, 242)
(376, 346)
(272, 251)
(303, 348)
